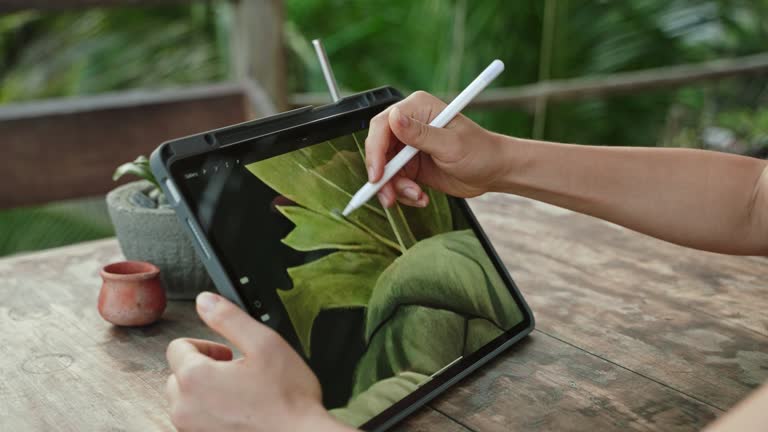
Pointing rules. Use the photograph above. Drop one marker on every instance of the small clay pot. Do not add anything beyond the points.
(131, 294)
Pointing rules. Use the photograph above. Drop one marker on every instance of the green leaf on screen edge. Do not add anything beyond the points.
(440, 300)
(379, 397)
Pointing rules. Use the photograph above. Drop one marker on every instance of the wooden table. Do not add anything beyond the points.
(632, 334)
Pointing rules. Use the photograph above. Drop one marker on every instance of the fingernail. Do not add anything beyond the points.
(370, 173)
(411, 193)
(403, 119)
(421, 203)
(206, 302)
(382, 201)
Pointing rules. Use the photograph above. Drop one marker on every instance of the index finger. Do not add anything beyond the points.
(419, 105)
(233, 323)
(377, 144)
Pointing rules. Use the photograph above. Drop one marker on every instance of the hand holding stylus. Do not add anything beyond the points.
(407, 153)
(461, 159)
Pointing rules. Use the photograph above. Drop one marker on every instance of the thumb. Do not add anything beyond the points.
(429, 139)
(229, 321)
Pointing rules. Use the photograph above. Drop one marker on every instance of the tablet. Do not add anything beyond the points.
(389, 307)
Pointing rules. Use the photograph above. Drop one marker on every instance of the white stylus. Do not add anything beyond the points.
(406, 154)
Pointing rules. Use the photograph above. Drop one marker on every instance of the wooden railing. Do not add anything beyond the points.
(69, 148)
(597, 86)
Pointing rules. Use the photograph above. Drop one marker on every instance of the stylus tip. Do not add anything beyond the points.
(350, 208)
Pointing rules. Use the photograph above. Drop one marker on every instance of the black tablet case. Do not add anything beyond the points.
(169, 152)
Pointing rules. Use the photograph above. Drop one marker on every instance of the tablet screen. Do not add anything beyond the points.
(378, 302)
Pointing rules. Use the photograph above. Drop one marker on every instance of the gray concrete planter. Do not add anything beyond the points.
(154, 235)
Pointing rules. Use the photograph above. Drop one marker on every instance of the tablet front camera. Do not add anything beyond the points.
(210, 140)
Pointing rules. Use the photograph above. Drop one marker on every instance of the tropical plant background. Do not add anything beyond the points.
(435, 45)
(426, 288)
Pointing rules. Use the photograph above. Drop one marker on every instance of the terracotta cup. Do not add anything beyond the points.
(131, 294)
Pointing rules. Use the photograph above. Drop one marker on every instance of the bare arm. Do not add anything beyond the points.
(700, 199)
(695, 198)
(749, 415)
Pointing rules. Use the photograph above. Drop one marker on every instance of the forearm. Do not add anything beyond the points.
(705, 200)
(750, 415)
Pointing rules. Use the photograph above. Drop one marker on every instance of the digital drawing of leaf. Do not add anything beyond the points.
(343, 279)
(440, 300)
(379, 397)
(321, 179)
(316, 231)
(431, 294)
(448, 271)
(417, 339)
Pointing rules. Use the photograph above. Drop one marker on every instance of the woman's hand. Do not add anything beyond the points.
(461, 159)
(270, 388)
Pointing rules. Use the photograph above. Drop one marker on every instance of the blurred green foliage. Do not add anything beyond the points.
(746, 123)
(436, 45)
(98, 50)
(27, 229)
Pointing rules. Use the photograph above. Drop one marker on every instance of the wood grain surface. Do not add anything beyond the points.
(632, 334)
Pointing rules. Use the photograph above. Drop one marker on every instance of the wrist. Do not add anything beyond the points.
(508, 161)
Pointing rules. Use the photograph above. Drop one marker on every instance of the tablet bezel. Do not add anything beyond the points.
(290, 131)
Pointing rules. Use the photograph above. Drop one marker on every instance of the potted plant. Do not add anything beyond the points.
(148, 230)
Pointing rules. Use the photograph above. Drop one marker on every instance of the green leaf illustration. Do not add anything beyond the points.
(321, 180)
(431, 294)
(339, 280)
(415, 338)
(317, 231)
(449, 271)
(379, 397)
(440, 300)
